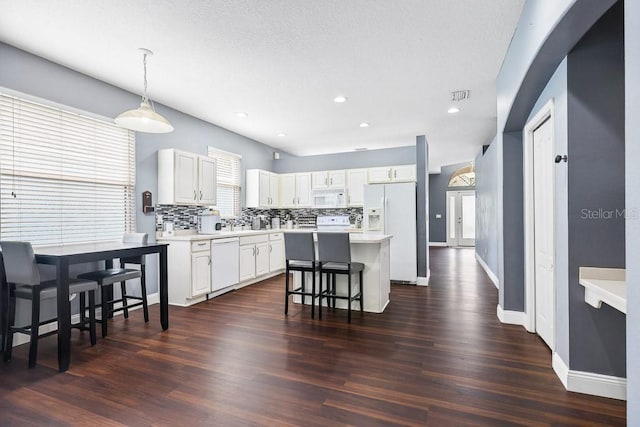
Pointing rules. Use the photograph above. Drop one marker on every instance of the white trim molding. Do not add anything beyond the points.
(510, 317)
(491, 274)
(589, 382)
(424, 281)
(438, 244)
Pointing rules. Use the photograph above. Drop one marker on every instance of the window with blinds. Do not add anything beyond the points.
(64, 177)
(228, 166)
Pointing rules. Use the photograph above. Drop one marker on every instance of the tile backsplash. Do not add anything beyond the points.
(185, 217)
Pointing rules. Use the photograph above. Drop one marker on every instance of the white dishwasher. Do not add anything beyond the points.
(225, 263)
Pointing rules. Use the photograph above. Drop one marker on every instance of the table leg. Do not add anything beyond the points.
(164, 289)
(64, 314)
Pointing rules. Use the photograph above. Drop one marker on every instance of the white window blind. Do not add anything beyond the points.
(229, 171)
(64, 177)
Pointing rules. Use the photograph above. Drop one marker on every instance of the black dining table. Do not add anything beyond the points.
(62, 256)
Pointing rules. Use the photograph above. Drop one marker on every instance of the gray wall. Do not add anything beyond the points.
(351, 160)
(546, 32)
(595, 75)
(486, 195)
(36, 76)
(632, 147)
(556, 90)
(422, 204)
(512, 280)
(438, 186)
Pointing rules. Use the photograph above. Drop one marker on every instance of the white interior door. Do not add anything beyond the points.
(544, 252)
(461, 218)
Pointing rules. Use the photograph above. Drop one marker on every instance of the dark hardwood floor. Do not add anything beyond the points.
(438, 356)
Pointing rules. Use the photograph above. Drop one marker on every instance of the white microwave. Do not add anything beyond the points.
(328, 199)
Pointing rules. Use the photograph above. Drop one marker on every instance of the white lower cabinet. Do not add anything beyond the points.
(247, 262)
(189, 270)
(194, 274)
(254, 256)
(276, 252)
(200, 273)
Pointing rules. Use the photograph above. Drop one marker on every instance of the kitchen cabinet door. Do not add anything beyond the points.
(276, 255)
(186, 177)
(200, 273)
(336, 179)
(262, 258)
(247, 262)
(207, 181)
(319, 180)
(378, 175)
(265, 198)
(288, 190)
(356, 179)
(404, 173)
(274, 183)
(303, 190)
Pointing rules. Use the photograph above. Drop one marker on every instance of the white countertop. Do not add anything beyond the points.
(608, 285)
(356, 236)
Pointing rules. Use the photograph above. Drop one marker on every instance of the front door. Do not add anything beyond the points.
(461, 218)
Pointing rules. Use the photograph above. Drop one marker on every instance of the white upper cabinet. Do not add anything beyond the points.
(185, 178)
(262, 189)
(303, 190)
(295, 190)
(288, 190)
(356, 179)
(207, 181)
(404, 173)
(324, 180)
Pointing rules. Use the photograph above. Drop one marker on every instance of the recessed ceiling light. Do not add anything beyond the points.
(340, 99)
(453, 110)
(241, 115)
(364, 125)
(281, 134)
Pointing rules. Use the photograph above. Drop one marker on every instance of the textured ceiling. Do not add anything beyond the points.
(283, 61)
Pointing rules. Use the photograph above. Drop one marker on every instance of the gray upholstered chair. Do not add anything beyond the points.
(300, 256)
(334, 257)
(107, 277)
(23, 281)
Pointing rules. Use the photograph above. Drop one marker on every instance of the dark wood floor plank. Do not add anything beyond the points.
(438, 356)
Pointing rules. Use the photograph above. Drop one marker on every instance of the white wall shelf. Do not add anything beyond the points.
(608, 285)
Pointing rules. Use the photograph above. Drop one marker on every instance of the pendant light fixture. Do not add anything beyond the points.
(144, 118)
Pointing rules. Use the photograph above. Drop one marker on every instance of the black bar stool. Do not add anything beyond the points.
(300, 256)
(23, 279)
(334, 257)
(107, 277)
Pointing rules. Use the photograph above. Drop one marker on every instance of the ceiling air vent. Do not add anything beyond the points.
(459, 95)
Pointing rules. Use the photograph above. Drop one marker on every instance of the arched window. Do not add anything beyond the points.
(463, 177)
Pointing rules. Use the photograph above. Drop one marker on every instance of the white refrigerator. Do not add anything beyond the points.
(391, 209)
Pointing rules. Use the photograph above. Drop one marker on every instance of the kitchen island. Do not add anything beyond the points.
(373, 251)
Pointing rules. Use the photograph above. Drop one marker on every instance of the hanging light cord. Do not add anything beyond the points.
(145, 98)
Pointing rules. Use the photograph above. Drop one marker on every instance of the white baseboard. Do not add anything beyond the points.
(424, 281)
(19, 339)
(589, 382)
(485, 267)
(511, 317)
(440, 244)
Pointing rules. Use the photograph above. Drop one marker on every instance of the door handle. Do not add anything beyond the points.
(270, 248)
(200, 194)
(209, 260)
(254, 251)
(195, 195)
(395, 173)
(257, 251)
